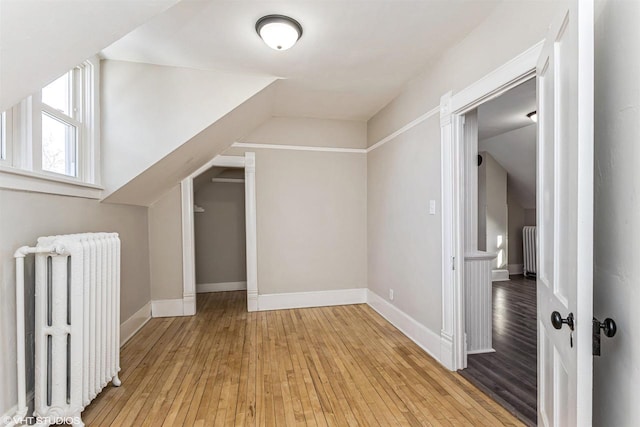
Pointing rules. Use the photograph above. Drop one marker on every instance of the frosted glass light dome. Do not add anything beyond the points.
(279, 32)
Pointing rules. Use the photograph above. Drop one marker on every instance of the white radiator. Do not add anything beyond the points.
(529, 250)
(77, 321)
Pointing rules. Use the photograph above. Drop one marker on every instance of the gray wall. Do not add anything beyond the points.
(404, 242)
(530, 217)
(518, 217)
(26, 216)
(617, 211)
(311, 212)
(311, 223)
(220, 233)
(165, 246)
(516, 222)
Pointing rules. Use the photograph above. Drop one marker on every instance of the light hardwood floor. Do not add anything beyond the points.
(332, 366)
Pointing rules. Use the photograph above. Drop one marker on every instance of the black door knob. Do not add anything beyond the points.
(557, 321)
(609, 327)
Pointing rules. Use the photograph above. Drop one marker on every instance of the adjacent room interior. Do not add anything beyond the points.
(501, 359)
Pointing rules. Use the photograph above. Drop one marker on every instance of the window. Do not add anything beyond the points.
(61, 122)
(52, 134)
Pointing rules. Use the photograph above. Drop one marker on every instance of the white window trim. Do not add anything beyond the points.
(22, 168)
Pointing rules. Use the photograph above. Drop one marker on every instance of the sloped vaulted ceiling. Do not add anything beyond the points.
(41, 39)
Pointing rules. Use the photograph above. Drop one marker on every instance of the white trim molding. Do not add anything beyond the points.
(501, 275)
(251, 230)
(453, 107)
(284, 301)
(404, 128)
(248, 162)
(188, 243)
(169, 308)
(23, 180)
(452, 333)
(133, 324)
(515, 268)
(202, 288)
(228, 180)
(424, 337)
(498, 81)
(299, 148)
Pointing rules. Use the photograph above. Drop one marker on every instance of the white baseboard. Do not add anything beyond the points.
(167, 308)
(426, 339)
(189, 305)
(499, 275)
(311, 299)
(133, 324)
(490, 350)
(221, 287)
(446, 351)
(516, 268)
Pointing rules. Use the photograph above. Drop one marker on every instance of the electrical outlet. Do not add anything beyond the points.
(391, 294)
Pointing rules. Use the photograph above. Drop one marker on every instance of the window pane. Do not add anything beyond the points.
(59, 148)
(58, 94)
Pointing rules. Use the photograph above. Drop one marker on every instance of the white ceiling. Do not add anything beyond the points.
(505, 131)
(508, 111)
(352, 59)
(42, 39)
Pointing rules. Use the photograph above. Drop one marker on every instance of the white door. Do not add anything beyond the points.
(565, 219)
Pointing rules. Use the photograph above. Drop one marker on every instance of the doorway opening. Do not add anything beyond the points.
(220, 230)
(500, 249)
(232, 169)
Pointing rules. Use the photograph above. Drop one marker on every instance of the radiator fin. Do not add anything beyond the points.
(530, 250)
(77, 321)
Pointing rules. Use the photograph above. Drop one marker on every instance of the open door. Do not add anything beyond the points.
(565, 220)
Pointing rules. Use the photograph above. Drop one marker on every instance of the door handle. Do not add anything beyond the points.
(557, 321)
(608, 326)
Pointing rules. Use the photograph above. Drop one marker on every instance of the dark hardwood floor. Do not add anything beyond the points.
(510, 374)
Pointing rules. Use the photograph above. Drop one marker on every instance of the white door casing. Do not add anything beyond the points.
(248, 162)
(457, 211)
(565, 218)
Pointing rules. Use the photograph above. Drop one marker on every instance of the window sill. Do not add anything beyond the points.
(23, 180)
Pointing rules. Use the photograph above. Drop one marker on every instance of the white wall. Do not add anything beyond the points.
(157, 179)
(511, 29)
(492, 199)
(617, 207)
(516, 152)
(42, 39)
(165, 246)
(150, 110)
(412, 160)
(220, 236)
(310, 132)
(26, 216)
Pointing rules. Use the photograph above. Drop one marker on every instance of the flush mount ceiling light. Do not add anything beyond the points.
(533, 116)
(279, 32)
